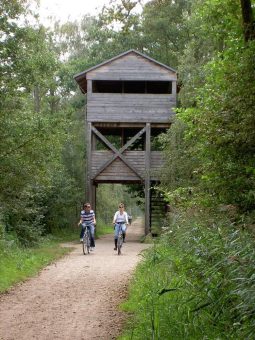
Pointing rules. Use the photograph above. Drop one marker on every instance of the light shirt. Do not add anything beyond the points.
(118, 217)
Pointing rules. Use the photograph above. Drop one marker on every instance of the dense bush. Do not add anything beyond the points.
(197, 282)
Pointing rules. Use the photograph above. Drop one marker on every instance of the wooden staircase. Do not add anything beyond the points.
(157, 208)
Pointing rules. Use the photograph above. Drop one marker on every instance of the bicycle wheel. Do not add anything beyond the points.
(85, 243)
(119, 243)
(88, 242)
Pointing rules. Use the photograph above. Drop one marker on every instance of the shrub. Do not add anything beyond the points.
(197, 282)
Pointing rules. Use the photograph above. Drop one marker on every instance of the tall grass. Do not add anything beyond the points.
(197, 282)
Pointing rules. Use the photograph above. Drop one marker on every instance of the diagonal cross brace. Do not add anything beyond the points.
(118, 153)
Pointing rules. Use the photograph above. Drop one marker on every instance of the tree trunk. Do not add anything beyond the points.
(37, 98)
(53, 101)
(248, 23)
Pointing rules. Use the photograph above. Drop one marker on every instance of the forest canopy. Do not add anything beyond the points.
(210, 148)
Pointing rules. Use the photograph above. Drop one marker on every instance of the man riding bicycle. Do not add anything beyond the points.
(88, 220)
(120, 220)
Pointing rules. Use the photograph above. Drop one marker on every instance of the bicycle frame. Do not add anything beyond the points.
(86, 241)
(120, 237)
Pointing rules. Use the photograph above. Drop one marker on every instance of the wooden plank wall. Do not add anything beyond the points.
(113, 107)
(131, 67)
(118, 170)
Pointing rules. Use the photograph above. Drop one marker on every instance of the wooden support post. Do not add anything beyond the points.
(147, 178)
(93, 196)
(85, 188)
(174, 88)
(93, 142)
(88, 164)
(89, 86)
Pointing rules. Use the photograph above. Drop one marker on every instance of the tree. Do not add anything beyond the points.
(34, 129)
(219, 114)
(248, 20)
(164, 29)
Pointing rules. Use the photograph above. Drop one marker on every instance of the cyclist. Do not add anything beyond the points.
(129, 219)
(88, 220)
(120, 219)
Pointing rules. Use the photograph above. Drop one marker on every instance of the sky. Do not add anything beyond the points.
(70, 9)
(65, 10)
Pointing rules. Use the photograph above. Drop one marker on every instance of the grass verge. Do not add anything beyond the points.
(102, 230)
(17, 264)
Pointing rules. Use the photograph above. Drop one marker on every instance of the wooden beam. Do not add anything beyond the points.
(128, 125)
(89, 86)
(147, 178)
(123, 181)
(174, 88)
(93, 142)
(105, 140)
(93, 196)
(88, 165)
(132, 140)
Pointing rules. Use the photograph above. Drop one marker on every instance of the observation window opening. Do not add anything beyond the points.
(118, 86)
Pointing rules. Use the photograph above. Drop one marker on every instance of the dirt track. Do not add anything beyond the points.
(74, 298)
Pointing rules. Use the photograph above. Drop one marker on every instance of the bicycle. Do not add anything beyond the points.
(120, 237)
(86, 241)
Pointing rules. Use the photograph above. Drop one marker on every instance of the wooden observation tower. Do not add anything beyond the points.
(130, 101)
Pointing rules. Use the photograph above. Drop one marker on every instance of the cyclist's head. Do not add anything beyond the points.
(121, 206)
(86, 206)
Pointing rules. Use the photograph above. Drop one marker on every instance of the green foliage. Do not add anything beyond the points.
(197, 282)
(181, 163)
(221, 126)
(17, 264)
(164, 29)
(214, 152)
(210, 26)
(229, 156)
(119, 193)
(39, 188)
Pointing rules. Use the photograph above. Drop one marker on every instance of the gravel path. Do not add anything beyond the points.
(75, 298)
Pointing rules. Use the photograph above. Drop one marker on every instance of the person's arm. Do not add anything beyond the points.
(80, 222)
(94, 220)
(126, 217)
(114, 218)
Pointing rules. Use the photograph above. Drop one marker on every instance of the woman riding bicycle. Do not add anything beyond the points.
(88, 220)
(120, 220)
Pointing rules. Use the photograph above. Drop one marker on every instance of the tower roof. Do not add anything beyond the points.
(81, 78)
